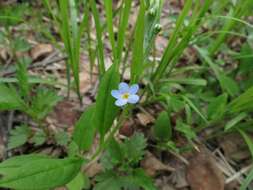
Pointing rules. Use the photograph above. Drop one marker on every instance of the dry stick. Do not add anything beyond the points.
(239, 173)
(43, 63)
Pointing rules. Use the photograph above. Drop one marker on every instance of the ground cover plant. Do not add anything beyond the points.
(127, 94)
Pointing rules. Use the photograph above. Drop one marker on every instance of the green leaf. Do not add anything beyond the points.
(85, 129)
(62, 138)
(229, 85)
(18, 136)
(162, 127)
(187, 81)
(217, 107)
(134, 148)
(108, 179)
(38, 172)
(9, 99)
(21, 45)
(138, 45)
(142, 180)
(186, 130)
(78, 182)
(106, 111)
(232, 123)
(43, 103)
(39, 138)
(242, 103)
(22, 76)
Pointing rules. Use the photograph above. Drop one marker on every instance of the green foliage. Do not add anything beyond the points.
(38, 172)
(61, 138)
(79, 182)
(162, 127)
(9, 99)
(22, 77)
(20, 45)
(126, 154)
(39, 138)
(43, 103)
(242, 103)
(85, 129)
(120, 161)
(217, 107)
(12, 15)
(186, 130)
(18, 136)
(138, 45)
(106, 111)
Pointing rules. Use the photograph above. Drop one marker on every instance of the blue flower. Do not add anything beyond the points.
(126, 94)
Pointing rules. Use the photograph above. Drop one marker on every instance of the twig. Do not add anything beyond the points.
(43, 63)
(238, 174)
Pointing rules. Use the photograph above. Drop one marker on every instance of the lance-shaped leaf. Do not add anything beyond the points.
(85, 129)
(38, 172)
(106, 110)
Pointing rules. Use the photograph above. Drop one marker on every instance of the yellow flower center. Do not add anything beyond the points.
(125, 96)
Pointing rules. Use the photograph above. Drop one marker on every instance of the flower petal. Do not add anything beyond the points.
(116, 94)
(123, 87)
(133, 99)
(134, 89)
(120, 102)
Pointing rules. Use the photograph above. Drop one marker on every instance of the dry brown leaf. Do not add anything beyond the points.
(152, 165)
(203, 174)
(41, 50)
(145, 118)
(65, 114)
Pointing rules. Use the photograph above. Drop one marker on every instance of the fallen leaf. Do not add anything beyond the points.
(203, 174)
(41, 50)
(152, 165)
(145, 118)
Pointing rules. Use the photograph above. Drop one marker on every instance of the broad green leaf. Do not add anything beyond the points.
(78, 182)
(138, 45)
(242, 103)
(217, 107)
(38, 172)
(85, 129)
(18, 136)
(162, 127)
(106, 111)
(232, 123)
(9, 99)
